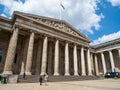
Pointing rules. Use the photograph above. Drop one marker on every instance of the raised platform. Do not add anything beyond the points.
(35, 78)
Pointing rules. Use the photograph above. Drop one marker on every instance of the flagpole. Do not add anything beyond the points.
(60, 15)
(60, 12)
(62, 7)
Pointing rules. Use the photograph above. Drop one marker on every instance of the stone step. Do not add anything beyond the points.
(71, 78)
(28, 79)
(35, 78)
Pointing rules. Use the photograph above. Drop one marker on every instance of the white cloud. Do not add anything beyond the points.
(115, 2)
(3, 15)
(106, 38)
(79, 13)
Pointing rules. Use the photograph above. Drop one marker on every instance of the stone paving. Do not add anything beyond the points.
(107, 84)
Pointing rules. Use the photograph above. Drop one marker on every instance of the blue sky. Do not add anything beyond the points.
(99, 20)
(110, 24)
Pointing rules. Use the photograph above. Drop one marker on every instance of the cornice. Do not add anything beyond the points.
(5, 24)
(109, 43)
(4, 19)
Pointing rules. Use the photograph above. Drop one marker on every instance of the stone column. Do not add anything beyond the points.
(75, 60)
(44, 56)
(119, 53)
(11, 52)
(89, 63)
(67, 59)
(103, 62)
(38, 58)
(96, 66)
(56, 58)
(111, 61)
(83, 62)
(29, 54)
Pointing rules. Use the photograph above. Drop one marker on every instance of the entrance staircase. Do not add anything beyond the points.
(35, 78)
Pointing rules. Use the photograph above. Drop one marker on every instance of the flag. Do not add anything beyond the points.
(62, 6)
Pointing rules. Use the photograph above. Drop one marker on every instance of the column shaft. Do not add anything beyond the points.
(119, 53)
(11, 52)
(66, 59)
(83, 62)
(29, 54)
(89, 63)
(103, 62)
(111, 61)
(96, 66)
(56, 58)
(44, 56)
(75, 61)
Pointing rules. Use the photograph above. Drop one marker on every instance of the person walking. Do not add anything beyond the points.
(41, 80)
(45, 78)
(24, 76)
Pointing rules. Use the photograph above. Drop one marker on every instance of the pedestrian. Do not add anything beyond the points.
(45, 78)
(41, 80)
(24, 75)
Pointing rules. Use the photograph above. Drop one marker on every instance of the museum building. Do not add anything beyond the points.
(37, 45)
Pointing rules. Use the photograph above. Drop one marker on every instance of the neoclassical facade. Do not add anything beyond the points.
(37, 45)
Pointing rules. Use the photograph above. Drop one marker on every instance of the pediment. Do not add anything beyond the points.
(55, 23)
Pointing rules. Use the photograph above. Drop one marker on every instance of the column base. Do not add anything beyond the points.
(7, 72)
(56, 74)
(21, 73)
(90, 74)
(104, 73)
(43, 73)
(76, 74)
(97, 74)
(67, 74)
(28, 73)
(83, 74)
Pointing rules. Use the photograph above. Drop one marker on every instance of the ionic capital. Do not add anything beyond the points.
(66, 41)
(82, 46)
(57, 39)
(110, 50)
(45, 35)
(75, 44)
(16, 25)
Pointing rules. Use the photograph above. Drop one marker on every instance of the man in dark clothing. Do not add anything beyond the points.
(41, 80)
(24, 75)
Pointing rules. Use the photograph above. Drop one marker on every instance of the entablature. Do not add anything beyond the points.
(52, 33)
(5, 24)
